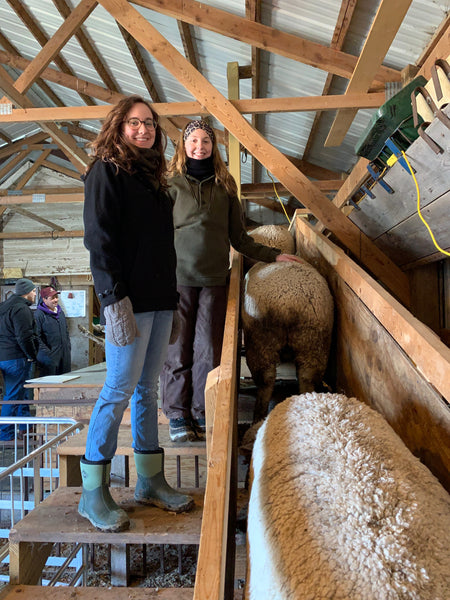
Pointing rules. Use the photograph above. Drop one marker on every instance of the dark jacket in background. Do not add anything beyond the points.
(54, 341)
(17, 329)
(129, 234)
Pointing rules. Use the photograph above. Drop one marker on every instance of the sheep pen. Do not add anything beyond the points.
(340, 509)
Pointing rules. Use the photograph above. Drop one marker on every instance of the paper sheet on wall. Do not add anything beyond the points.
(73, 302)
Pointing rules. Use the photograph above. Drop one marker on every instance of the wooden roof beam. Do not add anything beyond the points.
(65, 10)
(337, 41)
(265, 38)
(293, 179)
(66, 142)
(42, 38)
(384, 28)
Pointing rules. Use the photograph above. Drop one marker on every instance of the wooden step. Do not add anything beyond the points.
(34, 592)
(57, 520)
(71, 450)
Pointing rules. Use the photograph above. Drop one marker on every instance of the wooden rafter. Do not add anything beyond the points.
(88, 48)
(54, 45)
(66, 142)
(339, 34)
(188, 43)
(42, 38)
(221, 108)
(264, 37)
(40, 82)
(12, 164)
(22, 144)
(258, 105)
(31, 171)
(26, 213)
(384, 28)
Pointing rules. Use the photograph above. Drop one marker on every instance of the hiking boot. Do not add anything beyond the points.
(200, 429)
(180, 430)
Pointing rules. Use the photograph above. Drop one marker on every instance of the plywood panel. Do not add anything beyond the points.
(385, 211)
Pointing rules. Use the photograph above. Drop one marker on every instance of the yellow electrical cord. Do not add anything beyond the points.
(418, 207)
(279, 199)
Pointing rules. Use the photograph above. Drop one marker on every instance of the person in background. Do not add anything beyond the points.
(51, 328)
(207, 218)
(129, 234)
(18, 350)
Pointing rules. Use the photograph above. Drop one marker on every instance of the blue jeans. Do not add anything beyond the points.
(15, 373)
(131, 371)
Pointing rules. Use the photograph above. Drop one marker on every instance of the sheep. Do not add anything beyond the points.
(340, 509)
(287, 308)
(275, 236)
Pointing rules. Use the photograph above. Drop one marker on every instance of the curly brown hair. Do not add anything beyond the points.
(112, 146)
(177, 165)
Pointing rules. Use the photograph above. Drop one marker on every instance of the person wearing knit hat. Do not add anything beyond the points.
(207, 218)
(18, 351)
(54, 341)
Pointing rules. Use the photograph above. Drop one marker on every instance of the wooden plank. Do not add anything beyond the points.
(211, 565)
(77, 16)
(26, 563)
(378, 215)
(29, 592)
(410, 240)
(56, 519)
(385, 356)
(384, 28)
(426, 351)
(264, 37)
(260, 148)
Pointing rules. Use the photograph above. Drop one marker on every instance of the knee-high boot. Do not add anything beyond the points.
(96, 503)
(152, 487)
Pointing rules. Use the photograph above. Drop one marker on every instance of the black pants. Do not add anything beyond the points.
(196, 352)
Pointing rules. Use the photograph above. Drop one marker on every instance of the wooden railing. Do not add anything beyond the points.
(215, 567)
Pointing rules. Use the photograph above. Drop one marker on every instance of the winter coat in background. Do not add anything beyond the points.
(54, 341)
(17, 329)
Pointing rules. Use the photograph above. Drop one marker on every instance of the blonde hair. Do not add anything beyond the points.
(112, 146)
(177, 165)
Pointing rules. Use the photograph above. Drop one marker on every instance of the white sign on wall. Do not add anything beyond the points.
(73, 302)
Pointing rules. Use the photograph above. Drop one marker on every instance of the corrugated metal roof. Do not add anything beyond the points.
(314, 20)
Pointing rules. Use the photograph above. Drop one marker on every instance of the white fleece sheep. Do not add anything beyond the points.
(287, 307)
(340, 509)
(275, 236)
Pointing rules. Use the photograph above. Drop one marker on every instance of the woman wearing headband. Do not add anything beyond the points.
(207, 219)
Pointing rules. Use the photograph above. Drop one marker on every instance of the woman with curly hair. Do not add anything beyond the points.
(129, 235)
(207, 218)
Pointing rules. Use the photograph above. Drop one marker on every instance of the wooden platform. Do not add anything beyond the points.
(34, 592)
(57, 520)
(71, 451)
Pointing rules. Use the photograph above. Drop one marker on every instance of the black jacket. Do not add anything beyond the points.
(17, 329)
(54, 341)
(129, 234)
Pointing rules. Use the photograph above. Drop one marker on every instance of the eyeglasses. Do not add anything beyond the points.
(135, 123)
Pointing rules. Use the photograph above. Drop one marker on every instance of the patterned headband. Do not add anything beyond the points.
(193, 125)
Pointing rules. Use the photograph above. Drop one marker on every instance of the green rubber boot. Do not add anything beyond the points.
(152, 487)
(96, 502)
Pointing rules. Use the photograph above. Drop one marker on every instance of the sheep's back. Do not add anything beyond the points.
(287, 293)
(340, 509)
(274, 236)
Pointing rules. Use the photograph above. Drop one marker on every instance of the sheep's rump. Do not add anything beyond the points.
(340, 509)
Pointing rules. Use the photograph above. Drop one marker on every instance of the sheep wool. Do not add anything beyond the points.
(286, 306)
(274, 236)
(340, 509)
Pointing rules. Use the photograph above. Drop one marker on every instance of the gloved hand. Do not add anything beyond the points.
(121, 328)
(176, 327)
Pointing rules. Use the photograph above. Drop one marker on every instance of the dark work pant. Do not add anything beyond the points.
(15, 373)
(195, 353)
